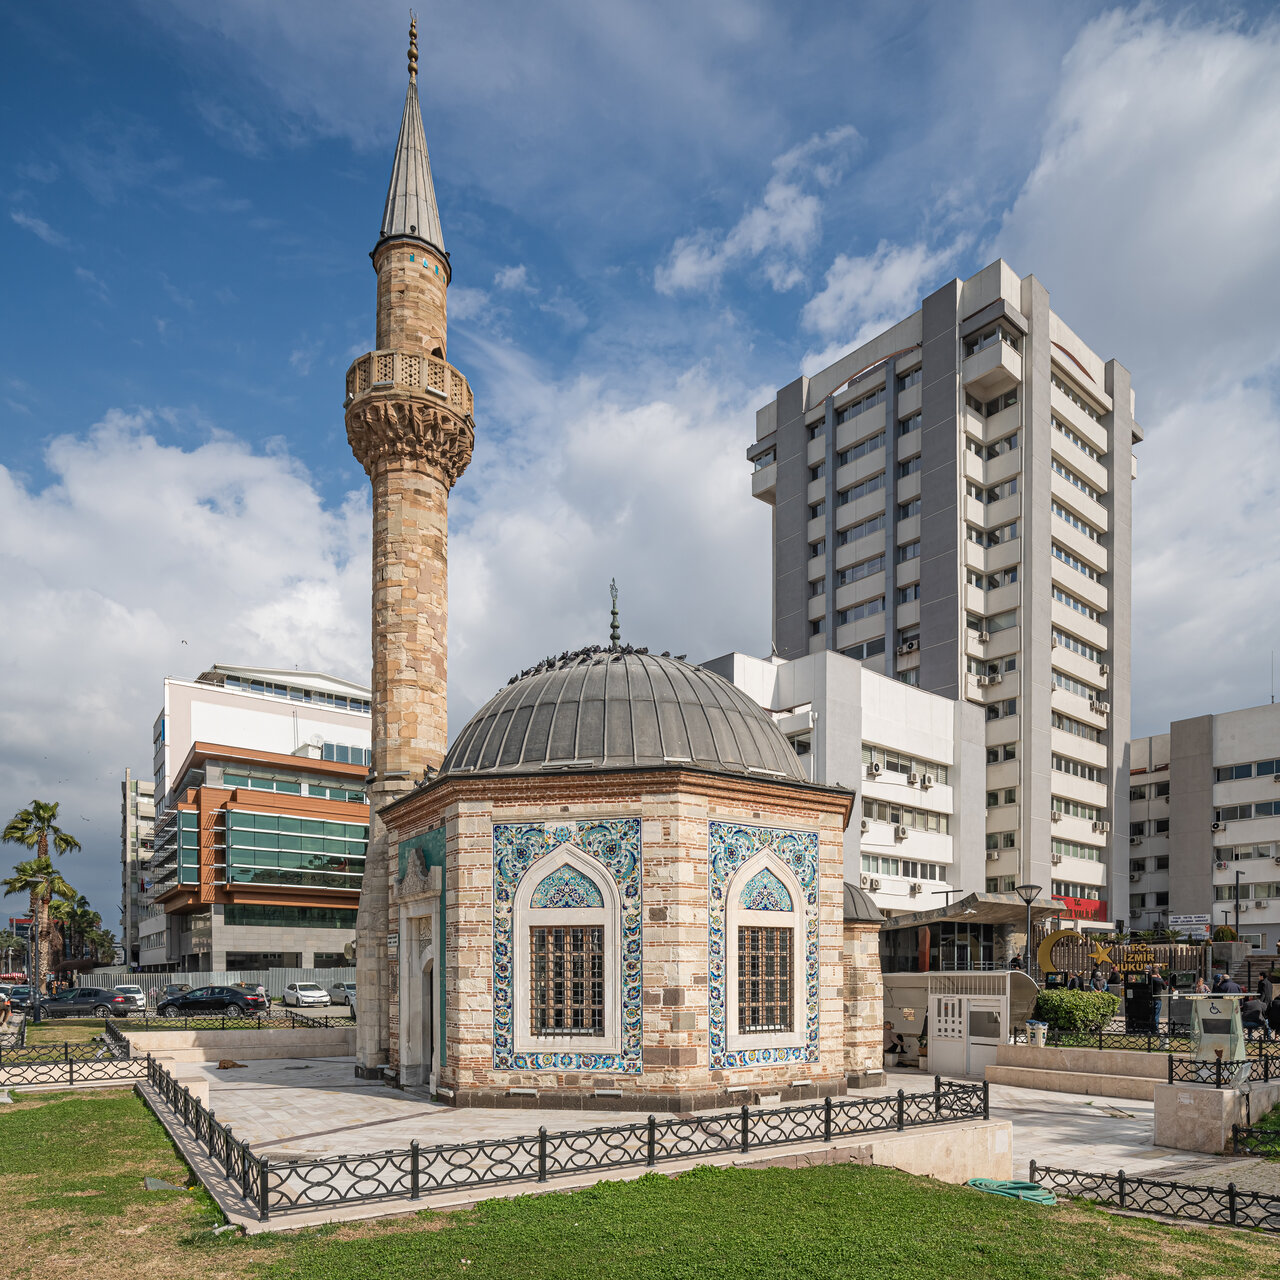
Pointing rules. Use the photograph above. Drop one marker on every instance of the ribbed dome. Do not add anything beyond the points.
(859, 907)
(602, 709)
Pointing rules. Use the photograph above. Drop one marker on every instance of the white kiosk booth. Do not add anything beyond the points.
(971, 1016)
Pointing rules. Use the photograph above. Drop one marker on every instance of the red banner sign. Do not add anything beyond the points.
(1083, 908)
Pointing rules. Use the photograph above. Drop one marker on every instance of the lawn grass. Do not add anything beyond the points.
(71, 1169)
(65, 1030)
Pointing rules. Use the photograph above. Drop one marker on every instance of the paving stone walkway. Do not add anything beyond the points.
(292, 1108)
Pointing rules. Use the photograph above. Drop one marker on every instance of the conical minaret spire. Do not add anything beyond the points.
(411, 208)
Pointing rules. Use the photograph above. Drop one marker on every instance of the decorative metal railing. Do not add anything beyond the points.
(71, 1071)
(1229, 1204)
(382, 370)
(1248, 1140)
(276, 1186)
(1176, 1040)
(1223, 1074)
(275, 1020)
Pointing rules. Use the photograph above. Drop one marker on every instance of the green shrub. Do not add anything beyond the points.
(1076, 1011)
(1224, 933)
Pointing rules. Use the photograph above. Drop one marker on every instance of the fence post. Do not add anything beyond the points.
(651, 1154)
(1231, 1203)
(1031, 1177)
(414, 1170)
(986, 1100)
(1170, 1064)
(71, 1071)
(1099, 1035)
(263, 1184)
(150, 1072)
(1120, 1181)
(937, 1095)
(1217, 1072)
(542, 1153)
(66, 1051)
(902, 1100)
(1235, 1139)
(745, 1127)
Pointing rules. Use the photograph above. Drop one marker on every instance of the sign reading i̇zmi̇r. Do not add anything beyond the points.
(1129, 957)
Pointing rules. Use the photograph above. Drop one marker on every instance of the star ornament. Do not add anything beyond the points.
(1101, 955)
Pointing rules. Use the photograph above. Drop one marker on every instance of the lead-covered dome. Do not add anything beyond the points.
(621, 709)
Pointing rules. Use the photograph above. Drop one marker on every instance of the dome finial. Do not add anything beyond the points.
(413, 45)
(615, 635)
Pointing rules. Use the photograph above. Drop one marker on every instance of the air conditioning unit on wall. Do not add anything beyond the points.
(993, 855)
(926, 781)
(866, 825)
(875, 884)
(912, 779)
(864, 882)
(874, 769)
(1217, 826)
(900, 832)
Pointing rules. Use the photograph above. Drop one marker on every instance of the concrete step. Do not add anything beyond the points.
(1086, 1082)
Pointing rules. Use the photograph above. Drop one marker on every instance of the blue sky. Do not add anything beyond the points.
(657, 214)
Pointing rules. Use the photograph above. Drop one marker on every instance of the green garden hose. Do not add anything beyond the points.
(1029, 1191)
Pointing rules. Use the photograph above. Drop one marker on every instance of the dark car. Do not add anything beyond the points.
(20, 998)
(209, 1002)
(84, 1002)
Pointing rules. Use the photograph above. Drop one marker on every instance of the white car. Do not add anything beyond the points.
(342, 992)
(305, 993)
(136, 996)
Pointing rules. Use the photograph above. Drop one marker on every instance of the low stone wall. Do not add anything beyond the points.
(1194, 1117)
(249, 1044)
(1107, 1062)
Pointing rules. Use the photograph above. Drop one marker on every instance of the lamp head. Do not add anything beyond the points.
(1027, 892)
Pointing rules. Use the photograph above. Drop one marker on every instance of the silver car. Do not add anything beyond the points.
(305, 993)
(342, 992)
(135, 995)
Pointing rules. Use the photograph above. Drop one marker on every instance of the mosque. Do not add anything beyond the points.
(617, 888)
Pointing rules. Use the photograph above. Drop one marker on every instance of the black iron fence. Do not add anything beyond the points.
(1228, 1205)
(1248, 1140)
(72, 1070)
(280, 1186)
(16, 1038)
(1222, 1074)
(1176, 1040)
(275, 1020)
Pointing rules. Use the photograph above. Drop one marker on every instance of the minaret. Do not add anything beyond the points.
(409, 423)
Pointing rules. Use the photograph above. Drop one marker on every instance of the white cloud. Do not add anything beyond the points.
(465, 303)
(781, 230)
(1151, 217)
(137, 545)
(1154, 204)
(864, 295)
(132, 548)
(94, 282)
(565, 309)
(513, 279)
(39, 227)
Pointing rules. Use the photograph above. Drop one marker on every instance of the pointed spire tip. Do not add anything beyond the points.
(413, 45)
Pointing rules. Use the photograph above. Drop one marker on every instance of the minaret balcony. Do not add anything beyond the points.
(382, 371)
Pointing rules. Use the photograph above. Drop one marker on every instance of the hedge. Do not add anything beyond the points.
(1076, 1011)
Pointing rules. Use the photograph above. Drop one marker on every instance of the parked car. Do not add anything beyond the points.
(305, 993)
(173, 989)
(84, 1002)
(254, 988)
(212, 1002)
(342, 992)
(136, 996)
(20, 998)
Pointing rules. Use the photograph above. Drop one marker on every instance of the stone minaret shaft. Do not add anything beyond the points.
(409, 423)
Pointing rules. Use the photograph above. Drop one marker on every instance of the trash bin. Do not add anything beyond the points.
(1036, 1032)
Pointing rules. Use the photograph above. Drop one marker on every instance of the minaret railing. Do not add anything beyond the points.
(379, 371)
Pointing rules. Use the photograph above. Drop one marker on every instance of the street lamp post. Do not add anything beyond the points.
(1028, 893)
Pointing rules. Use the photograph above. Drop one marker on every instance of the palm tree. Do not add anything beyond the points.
(34, 828)
(43, 882)
(11, 947)
(102, 943)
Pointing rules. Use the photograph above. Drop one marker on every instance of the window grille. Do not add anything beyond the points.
(764, 979)
(567, 977)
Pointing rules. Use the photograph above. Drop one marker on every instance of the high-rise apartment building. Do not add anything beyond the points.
(1204, 824)
(951, 506)
(262, 821)
(137, 822)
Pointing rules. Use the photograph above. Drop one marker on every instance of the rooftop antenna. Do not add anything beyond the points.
(615, 635)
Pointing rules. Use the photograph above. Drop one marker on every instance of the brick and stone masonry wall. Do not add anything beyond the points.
(863, 1004)
(674, 812)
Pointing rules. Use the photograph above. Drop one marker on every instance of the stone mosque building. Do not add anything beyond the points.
(617, 887)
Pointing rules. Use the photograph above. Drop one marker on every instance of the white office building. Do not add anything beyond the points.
(916, 760)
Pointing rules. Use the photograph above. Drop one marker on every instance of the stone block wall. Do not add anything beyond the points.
(674, 810)
(863, 1005)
